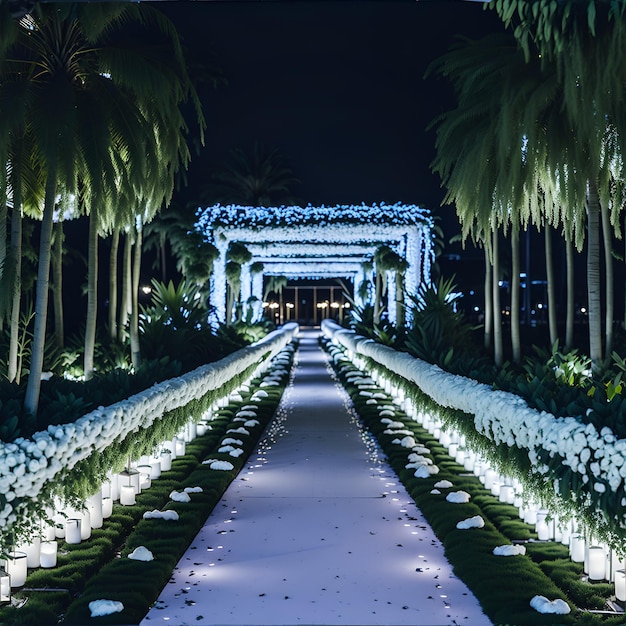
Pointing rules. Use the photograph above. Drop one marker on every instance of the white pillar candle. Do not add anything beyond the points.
(470, 459)
(48, 556)
(94, 506)
(144, 476)
(105, 489)
(73, 530)
(59, 526)
(597, 564)
(5, 587)
(107, 507)
(155, 469)
(166, 461)
(566, 532)
(459, 457)
(48, 531)
(543, 526)
(201, 428)
(507, 494)
(452, 448)
(180, 448)
(17, 568)
(32, 551)
(530, 514)
(490, 477)
(495, 487)
(115, 487)
(620, 585)
(127, 495)
(577, 548)
(85, 524)
(172, 447)
(144, 480)
(192, 431)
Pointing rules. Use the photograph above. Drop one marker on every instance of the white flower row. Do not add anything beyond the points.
(504, 418)
(289, 216)
(27, 464)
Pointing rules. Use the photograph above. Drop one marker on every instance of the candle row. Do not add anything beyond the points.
(600, 562)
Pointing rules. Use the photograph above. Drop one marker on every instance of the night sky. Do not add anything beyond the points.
(337, 86)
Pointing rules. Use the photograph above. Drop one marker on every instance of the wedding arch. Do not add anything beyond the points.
(316, 242)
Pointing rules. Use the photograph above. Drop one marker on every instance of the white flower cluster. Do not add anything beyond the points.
(26, 465)
(504, 418)
(290, 216)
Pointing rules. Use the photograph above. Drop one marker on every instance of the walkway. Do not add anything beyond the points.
(316, 530)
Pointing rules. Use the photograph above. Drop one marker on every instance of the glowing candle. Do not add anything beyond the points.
(48, 556)
(32, 550)
(17, 568)
(542, 526)
(490, 477)
(166, 461)
(5, 587)
(73, 530)
(577, 548)
(155, 469)
(127, 495)
(597, 563)
(85, 524)
(180, 448)
(507, 494)
(94, 506)
(620, 585)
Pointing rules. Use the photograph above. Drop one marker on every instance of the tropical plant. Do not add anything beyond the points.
(260, 177)
(438, 331)
(92, 120)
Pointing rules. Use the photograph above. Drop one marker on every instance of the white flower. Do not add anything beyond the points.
(458, 497)
(471, 522)
(541, 604)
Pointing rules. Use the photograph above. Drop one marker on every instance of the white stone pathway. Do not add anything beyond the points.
(316, 530)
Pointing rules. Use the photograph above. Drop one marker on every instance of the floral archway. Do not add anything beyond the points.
(316, 242)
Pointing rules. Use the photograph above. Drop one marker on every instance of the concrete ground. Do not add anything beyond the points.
(316, 530)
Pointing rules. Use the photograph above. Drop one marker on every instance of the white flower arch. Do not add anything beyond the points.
(316, 242)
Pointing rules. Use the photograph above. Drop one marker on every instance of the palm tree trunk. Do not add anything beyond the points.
(569, 317)
(607, 236)
(516, 344)
(594, 304)
(488, 321)
(115, 244)
(33, 386)
(127, 287)
(377, 297)
(4, 214)
(92, 295)
(57, 280)
(552, 323)
(497, 309)
(400, 318)
(16, 253)
(135, 353)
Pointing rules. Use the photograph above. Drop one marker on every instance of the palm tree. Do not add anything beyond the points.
(507, 101)
(260, 177)
(90, 108)
(583, 44)
(236, 255)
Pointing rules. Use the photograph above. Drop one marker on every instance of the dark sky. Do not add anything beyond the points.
(337, 86)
